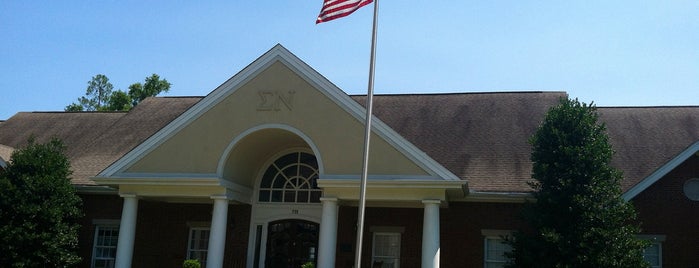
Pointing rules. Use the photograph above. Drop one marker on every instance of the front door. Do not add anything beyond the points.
(291, 243)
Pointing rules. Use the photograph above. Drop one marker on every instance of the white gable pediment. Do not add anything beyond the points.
(276, 89)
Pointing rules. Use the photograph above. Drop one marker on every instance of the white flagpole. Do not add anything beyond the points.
(367, 135)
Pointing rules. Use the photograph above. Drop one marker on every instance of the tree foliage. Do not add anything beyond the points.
(119, 101)
(97, 95)
(101, 96)
(152, 87)
(38, 209)
(579, 218)
(74, 107)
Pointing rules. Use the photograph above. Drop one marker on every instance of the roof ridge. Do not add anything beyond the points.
(650, 106)
(76, 112)
(462, 93)
(177, 97)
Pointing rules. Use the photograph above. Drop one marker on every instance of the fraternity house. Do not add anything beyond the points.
(264, 172)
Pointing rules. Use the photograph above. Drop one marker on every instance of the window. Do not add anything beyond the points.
(105, 246)
(495, 248)
(291, 179)
(653, 254)
(386, 250)
(198, 244)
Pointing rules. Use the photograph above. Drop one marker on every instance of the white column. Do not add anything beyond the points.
(430, 234)
(217, 235)
(127, 231)
(328, 233)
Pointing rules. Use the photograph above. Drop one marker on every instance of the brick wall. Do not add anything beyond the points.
(411, 238)
(460, 226)
(106, 207)
(162, 230)
(663, 209)
(161, 235)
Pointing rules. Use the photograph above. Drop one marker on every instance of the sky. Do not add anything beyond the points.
(612, 53)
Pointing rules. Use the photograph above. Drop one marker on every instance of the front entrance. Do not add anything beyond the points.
(291, 243)
(285, 218)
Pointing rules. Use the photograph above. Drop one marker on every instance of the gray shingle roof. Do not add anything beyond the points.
(94, 140)
(482, 137)
(645, 138)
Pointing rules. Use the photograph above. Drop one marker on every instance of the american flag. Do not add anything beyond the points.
(333, 9)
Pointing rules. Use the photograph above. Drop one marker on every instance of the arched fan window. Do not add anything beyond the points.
(291, 179)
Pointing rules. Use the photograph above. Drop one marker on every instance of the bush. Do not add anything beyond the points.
(192, 263)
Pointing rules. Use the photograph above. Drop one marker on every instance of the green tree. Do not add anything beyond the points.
(38, 209)
(101, 96)
(97, 95)
(579, 218)
(152, 87)
(119, 101)
(74, 107)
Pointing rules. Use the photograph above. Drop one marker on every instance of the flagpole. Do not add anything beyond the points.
(367, 135)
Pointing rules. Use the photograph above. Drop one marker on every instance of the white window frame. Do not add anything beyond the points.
(495, 236)
(192, 247)
(386, 231)
(654, 240)
(294, 186)
(101, 225)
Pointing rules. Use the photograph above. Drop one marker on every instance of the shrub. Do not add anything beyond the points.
(39, 209)
(191, 263)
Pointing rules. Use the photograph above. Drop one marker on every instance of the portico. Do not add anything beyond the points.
(324, 246)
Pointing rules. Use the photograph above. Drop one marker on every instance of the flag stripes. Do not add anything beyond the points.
(333, 9)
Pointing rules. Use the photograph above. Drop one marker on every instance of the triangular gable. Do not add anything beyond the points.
(661, 172)
(279, 54)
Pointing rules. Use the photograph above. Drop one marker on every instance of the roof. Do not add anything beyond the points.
(482, 137)
(645, 138)
(660, 172)
(94, 140)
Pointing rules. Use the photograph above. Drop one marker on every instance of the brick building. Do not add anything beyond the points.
(264, 172)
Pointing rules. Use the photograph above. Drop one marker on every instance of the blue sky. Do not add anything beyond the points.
(615, 53)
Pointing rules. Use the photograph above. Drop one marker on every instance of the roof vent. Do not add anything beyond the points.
(691, 189)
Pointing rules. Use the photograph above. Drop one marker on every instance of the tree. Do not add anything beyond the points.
(97, 95)
(38, 209)
(152, 87)
(119, 101)
(74, 107)
(101, 96)
(579, 218)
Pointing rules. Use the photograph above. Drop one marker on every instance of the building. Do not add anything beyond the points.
(264, 172)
